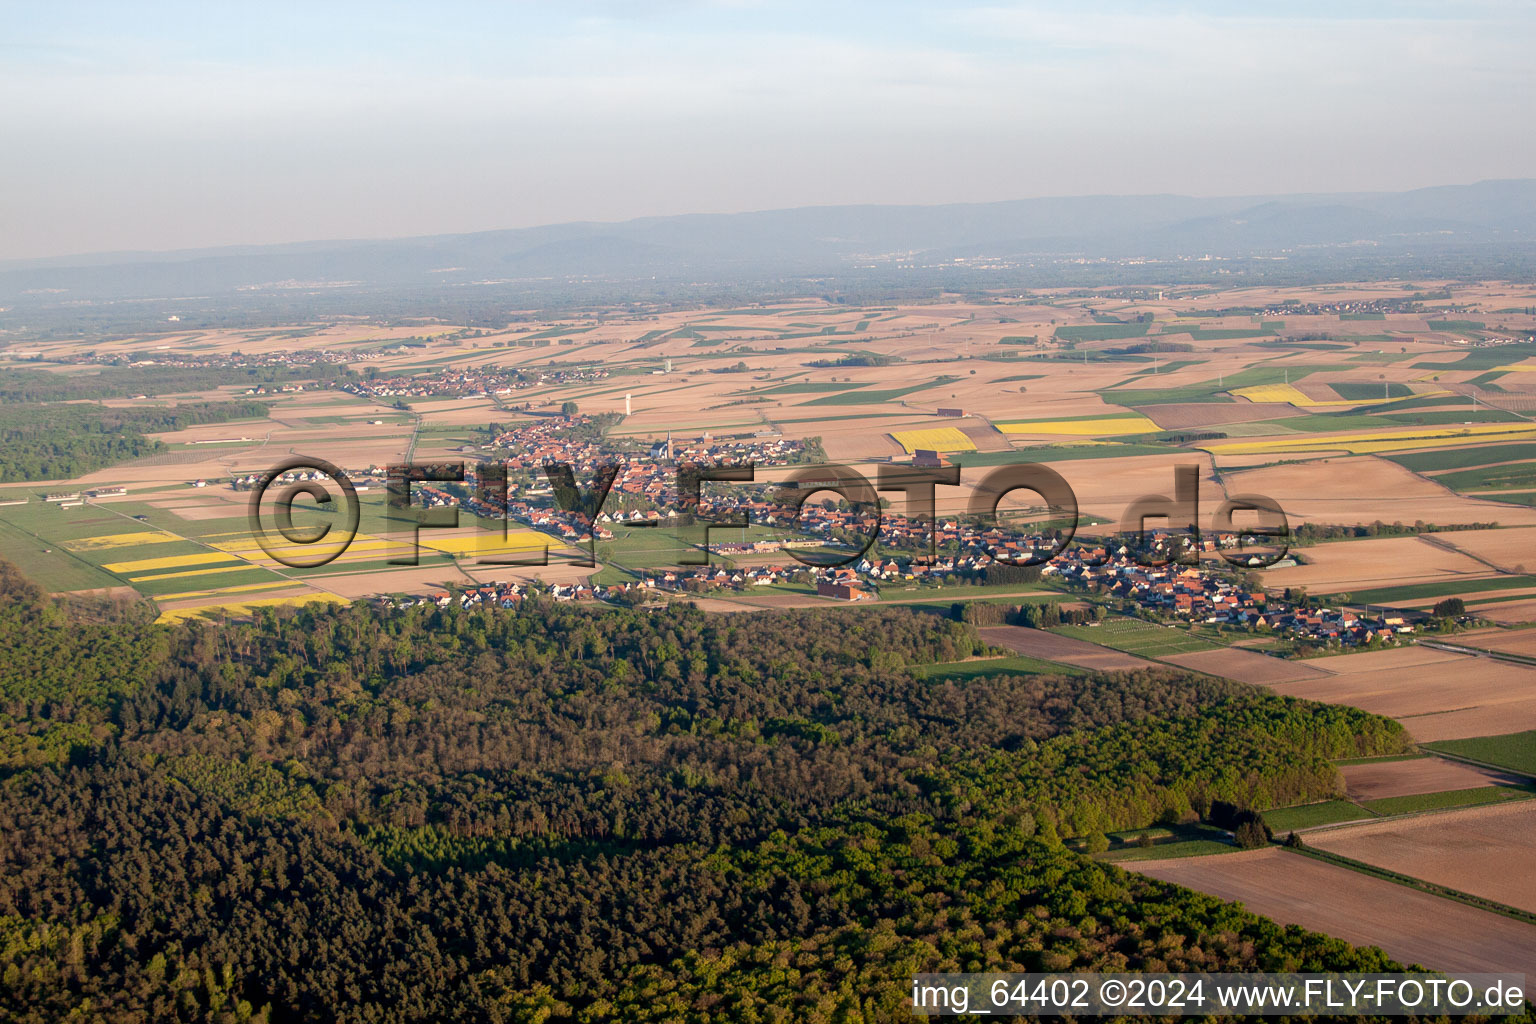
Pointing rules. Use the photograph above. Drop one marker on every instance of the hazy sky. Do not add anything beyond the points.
(213, 123)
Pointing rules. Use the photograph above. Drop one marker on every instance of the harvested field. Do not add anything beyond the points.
(1417, 775)
(203, 513)
(1363, 490)
(1436, 695)
(1246, 666)
(1194, 415)
(1382, 562)
(1508, 550)
(1521, 642)
(404, 581)
(1512, 613)
(1485, 851)
(1037, 643)
(1413, 927)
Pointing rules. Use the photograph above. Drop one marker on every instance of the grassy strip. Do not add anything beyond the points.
(1418, 802)
(1330, 812)
(1013, 665)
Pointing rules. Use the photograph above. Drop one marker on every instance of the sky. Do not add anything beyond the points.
(166, 126)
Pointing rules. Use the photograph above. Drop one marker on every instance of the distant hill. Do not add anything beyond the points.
(1485, 224)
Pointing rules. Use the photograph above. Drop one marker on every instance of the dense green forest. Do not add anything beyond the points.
(60, 441)
(558, 813)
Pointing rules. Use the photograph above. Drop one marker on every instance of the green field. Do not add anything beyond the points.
(1063, 453)
(1491, 478)
(811, 387)
(1168, 842)
(1426, 591)
(1515, 751)
(1462, 458)
(1365, 420)
(1483, 358)
(1016, 665)
(875, 397)
(1457, 325)
(1100, 332)
(1136, 636)
(1449, 798)
(49, 564)
(1365, 391)
(1288, 819)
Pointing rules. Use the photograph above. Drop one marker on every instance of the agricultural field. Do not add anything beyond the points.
(1485, 851)
(1083, 426)
(1411, 926)
(940, 439)
(1435, 694)
(1383, 780)
(1113, 392)
(1139, 637)
(1048, 646)
(981, 668)
(1245, 666)
(1515, 751)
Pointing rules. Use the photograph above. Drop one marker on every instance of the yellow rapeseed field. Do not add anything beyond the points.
(171, 562)
(1380, 440)
(937, 439)
(1292, 395)
(120, 540)
(188, 572)
(239, 607)
(1106, 426)
(224, 590)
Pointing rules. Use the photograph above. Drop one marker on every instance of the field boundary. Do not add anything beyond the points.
(1410, 882)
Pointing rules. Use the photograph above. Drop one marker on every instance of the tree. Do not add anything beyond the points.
(1250, 835)
(568, 409)
(1450, 608)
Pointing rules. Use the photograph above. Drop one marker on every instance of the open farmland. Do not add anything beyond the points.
(1255, 401)
(1037, 643)
(1363, 490)
(1139, 637)
(1245, 666)
(940, 439)
(1412, 927)
(1411, 776)
(1515, 751)
(1376, 562)
(1436, 695)
(1485, 851)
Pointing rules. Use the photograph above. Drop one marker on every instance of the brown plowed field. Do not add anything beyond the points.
(1247, 666)
(1485, 851)
(1421, 775)
(1412, 926)
(1437, 695)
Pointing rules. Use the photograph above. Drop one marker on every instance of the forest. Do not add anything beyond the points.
(559, 813)
(57, 442)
